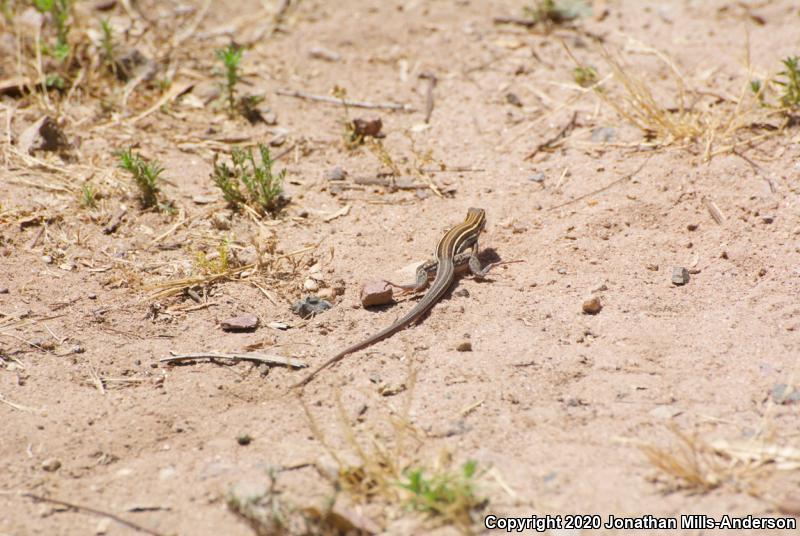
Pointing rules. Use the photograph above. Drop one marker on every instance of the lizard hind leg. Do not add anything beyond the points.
(424, 274)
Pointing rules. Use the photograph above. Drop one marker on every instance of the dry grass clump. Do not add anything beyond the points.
(696, 464)
(701, 120)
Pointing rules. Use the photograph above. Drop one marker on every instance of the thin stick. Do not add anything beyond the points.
(258, 358)
(713, 209)
(604, 188)
(87, 509)
(431, 78)
(354, 104)
(527, 23)
(548, 144)
(19, 407)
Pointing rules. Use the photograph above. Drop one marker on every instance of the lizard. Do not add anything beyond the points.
(458, 246)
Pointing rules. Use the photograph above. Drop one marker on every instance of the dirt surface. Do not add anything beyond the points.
(559, 408)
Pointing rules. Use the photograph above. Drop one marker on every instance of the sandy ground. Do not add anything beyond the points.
(554, 404)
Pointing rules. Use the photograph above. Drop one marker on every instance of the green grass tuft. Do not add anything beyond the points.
(262, 187)
(790, 97)
(450, 495)
(231, 57)
(144, 173)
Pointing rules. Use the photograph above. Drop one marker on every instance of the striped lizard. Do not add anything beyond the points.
(458, 246)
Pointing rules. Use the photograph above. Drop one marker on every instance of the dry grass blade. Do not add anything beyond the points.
(19, 407)
(699, 465)
(690, 463)
(175, 287)
(703, 125)
(640, 107)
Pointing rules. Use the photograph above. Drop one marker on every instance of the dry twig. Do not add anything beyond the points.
(258, 358)
(339, 102)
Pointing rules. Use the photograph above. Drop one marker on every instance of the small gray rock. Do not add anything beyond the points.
(310, 306)
(246, 322)
(680, 275)
(604, 134)
(131, 63)
(537, 177)
(781, 394)
(767, 219)
(665, 412)
(43, 135)
(513, 100)
(335, 174)
(3, 290)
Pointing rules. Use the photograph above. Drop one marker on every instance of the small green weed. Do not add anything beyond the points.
(263, 187)
(108, 46)
(88, 195)
(217, 264)
(352, 138)
(552, 12)
(231, 57)
(444, 494)
(791, 82)
(59, 10)
(584, 76)
(144, 173)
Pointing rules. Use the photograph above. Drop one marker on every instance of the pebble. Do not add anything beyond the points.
(327, 294)
(322, 53)
(246, 322)
(310, 306)
(367, 127)
(201, 199)
(47, 259)
(221, 221)
(592, 306)
(310, 285)
(51, 464)
(603, 134)
(464, 346)
(3, 290)
(767, 219)
(91, 295)
(680, 275)
(665, 412)
(43, 135)
(335, 174)
(512, 99)
(782, 394)
(278, 325)
(102, 526)
(652, 267)
(377, 292)
(537, 177)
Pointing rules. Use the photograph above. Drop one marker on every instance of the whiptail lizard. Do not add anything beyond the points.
(457, 247)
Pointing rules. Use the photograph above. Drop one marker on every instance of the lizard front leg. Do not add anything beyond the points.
(475, 263)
